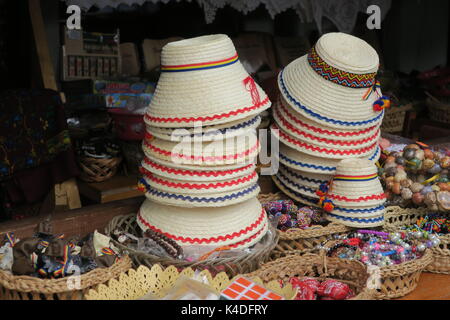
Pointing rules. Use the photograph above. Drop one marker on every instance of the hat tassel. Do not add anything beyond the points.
(250, 85)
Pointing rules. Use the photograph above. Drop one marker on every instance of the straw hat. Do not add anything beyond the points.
(307, 179)
(356, 184)
(318, 130)
(334, 84)
(237, 226)
(293, 194)
(293, 185)
(178, 186)
(171, 171)
(207, 133)
(202, 79)
(356, 221)
(188, 199)
(304, 162)
(236, 150)
(325, 147)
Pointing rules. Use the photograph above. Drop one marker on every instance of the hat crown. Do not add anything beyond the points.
(347, 53)
(202, 49)
(355, 167)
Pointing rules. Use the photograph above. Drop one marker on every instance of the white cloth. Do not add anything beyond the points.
(342, 13)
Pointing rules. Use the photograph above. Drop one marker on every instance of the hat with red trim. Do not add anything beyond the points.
(203, 80)
(237, 226)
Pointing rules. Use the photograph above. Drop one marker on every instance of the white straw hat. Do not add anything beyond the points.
(237, 226)
(188, 199)
(295, 186)
(202, 79)
(319, 130)
(207, 133)
(356, 184)
(236, 150)
(307, 179)
(195, 188)
(170, 171)
(334, 84)
(293, 194)
(324, 148)
(357, 221)
(304, 162)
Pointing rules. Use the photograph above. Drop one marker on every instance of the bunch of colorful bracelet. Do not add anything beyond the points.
(383, 249)
(434, 223)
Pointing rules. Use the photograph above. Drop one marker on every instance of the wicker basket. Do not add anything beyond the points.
(134, 284)
(351, 272)
(400, 279)
(396, 217)
(438, 111)
(98, 170)
(231, 265)
(394, 118)
(298, 241)
(30, 288)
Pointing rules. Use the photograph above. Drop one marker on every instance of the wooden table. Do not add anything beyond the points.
(432, 286)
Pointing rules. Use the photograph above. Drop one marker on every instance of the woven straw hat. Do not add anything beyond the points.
(311, 128)
(238, 226)
(202, 79)
(236, 150)
(304, 162)
(293, 194)
(356, 184)
(307, 179)
(325, 147)
(357, 221)
(170, 171)
(207, 133)
(330, 84)
(187, 187)
(188, 199)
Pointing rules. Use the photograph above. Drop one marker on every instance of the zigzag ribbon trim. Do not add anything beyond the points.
(341, 77)
(335, 142)
(202, 185)
(207, 240)
(320, 130)
(318, 116)
(294, 183)
(239, 194)
(209, 118)
(381, 207)
(359, 220)
(189, 172)
(320, 149)
(202, 158)
(298, 176)
(380, 196)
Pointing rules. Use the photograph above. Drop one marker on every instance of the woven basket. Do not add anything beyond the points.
(231, 265)
(98, 170)
(396, 217)
(134, 284)
(394, 118)
(438, 111)
(299, 241)
(354, 273)
(400, 279)
(30, 288)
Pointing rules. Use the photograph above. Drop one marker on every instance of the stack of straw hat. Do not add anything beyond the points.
(200, 149)
(330, 108)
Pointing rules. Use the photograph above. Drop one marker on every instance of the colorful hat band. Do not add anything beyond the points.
(340, 77)
(200, 66)
(261, 219)
(294, 101)
(367, 177)
(357, 220)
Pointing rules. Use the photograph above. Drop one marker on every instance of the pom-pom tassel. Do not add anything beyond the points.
(381, 103)
(328, 205)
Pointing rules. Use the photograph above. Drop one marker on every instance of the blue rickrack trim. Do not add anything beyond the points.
(359, 220)
(299, 176)
(381, 207)
(320, 117)
(306, 164)
(295, 184)
(224, 130)
(295, 193)
(197, 199)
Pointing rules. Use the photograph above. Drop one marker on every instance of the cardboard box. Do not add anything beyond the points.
(130, 59)
(151, 50)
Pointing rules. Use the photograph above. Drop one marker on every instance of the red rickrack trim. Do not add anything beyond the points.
(323, 131)
(341, 143)
(191, 173)
(206, 240)
(209, 118)
(310, 147)
(202, 158)
(202, 185)
(380, 196)
(237, 244)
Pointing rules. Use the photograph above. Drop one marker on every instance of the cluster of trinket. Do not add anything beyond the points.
(289, 215)
(382, 248)
(434, 223)
(417, 175)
